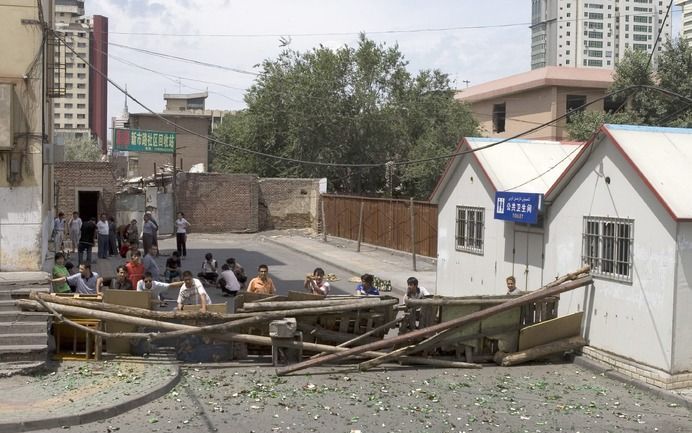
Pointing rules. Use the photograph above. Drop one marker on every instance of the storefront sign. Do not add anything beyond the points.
(138, 140)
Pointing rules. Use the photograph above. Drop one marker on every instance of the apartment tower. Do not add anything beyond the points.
(594, 33)
(686, 31)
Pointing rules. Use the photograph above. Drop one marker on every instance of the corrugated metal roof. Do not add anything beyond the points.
(663, 157)
(524, 165)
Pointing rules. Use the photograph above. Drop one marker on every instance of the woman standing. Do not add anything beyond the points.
(75, 226)
(182, 226)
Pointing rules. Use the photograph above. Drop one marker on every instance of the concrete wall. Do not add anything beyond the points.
(73, 176)
(215, 202)
(633, 320)
(26, 199)
(682, 319)
(288, 203)
(192, 149)
(528, 109)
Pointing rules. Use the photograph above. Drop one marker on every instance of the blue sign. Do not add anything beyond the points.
(520, 207)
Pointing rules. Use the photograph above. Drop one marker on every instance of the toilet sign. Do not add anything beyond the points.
(519, 207)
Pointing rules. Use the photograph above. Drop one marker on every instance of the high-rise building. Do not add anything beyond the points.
(686, 31)
(594, 33)
(82, 110)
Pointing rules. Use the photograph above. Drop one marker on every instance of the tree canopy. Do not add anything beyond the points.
(646, 106)
(352, 105)
(82, 148)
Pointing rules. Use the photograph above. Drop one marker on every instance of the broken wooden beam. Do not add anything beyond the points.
(537, 352)
(431, 330)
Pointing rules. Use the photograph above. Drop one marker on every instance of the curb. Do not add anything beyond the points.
(609, 372)
(94, 415)
(396, 291)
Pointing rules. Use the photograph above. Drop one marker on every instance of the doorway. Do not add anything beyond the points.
(88, 204)
(527, 263)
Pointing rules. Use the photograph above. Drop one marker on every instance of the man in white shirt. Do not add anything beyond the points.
(102, 229)
(156, 288)
(192, 292)
(59, 231)
(414, 291)
(228, 282)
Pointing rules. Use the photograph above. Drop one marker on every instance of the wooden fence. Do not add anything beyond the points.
(385, 222)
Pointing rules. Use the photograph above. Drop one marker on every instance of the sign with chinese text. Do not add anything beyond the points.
(138, 140)
(520, 207)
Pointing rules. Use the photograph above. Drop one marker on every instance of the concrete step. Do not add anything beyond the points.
(7, 328)
(24, 352)
(23, 316)
(23, 292)
(7, 305)
(11, 368)
(36, 338)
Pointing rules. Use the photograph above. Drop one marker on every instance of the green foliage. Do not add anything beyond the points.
(350, 105)
(81, 149)
(645, 106)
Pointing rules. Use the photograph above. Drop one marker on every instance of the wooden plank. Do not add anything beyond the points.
(550, 330)
(129, 298)
(303, 296)
(537, 352)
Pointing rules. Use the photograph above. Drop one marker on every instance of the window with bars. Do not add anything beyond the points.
(469, 229)
(607, 247)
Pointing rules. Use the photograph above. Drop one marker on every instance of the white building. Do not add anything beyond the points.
(594, 33)
(475, 251)
(686, 31)
(624, 208)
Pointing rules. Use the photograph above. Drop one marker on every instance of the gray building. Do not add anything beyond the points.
(594, 33)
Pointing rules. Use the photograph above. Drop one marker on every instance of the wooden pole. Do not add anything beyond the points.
(288, 305)
(431, 330)
(413, 234)
(324, 220)
(360, 225)
(541, 351)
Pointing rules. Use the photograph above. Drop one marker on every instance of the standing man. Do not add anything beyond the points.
(181, 228)
(75, 227)
(148, 232)
(86, 282)
(86, 240)
(59, 231)
(135, 268)
(103, 230)
(133, 235)
(192, 292)
(112, 237)
(150, 265)
(262, 283)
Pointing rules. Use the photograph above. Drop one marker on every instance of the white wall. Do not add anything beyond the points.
(22, 243)
(682, 333)
(633, 320)
(461, 273)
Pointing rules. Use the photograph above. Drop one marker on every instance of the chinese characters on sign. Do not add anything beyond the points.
(520, 207)
(137, 140)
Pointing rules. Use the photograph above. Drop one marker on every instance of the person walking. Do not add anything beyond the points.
(112, 237)
(75, 228)
(86, 241)
(181, 228)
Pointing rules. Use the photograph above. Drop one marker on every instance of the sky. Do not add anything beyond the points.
(200, 29)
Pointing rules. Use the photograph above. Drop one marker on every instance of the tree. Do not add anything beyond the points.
(350, 105)
(645, 106)
(81, 148)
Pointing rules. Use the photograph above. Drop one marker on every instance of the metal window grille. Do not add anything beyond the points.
(607, 246)
(55, 67)
(470, 225)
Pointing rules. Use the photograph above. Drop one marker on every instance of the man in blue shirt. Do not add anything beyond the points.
(367, 287)
(86, 282)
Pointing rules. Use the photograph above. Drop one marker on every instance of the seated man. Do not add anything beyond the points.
(228, 283)
(156, 288)
(173, 265)
(209, 269)
(262, 283)
(316, 284)
(414, 291)
(192, 292)
(366, 286)
(238, 269)
(86, 282)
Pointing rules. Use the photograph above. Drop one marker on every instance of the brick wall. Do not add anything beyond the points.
(215, 202)
(72, 176)
(288, 203)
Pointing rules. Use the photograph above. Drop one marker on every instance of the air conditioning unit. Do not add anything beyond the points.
(6, 116)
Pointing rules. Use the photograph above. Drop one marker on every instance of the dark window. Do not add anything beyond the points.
(574, 105)
(499, 116)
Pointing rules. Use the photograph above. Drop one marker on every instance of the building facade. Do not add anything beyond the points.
(686, 30)
(512, 105)
(26, 170)
(81, 111)
(594, 33)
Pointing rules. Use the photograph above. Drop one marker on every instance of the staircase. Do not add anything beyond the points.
(23, 335)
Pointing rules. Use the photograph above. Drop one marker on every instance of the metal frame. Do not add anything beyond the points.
(608, 247)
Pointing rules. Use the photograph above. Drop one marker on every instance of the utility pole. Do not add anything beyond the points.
(467, 82)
